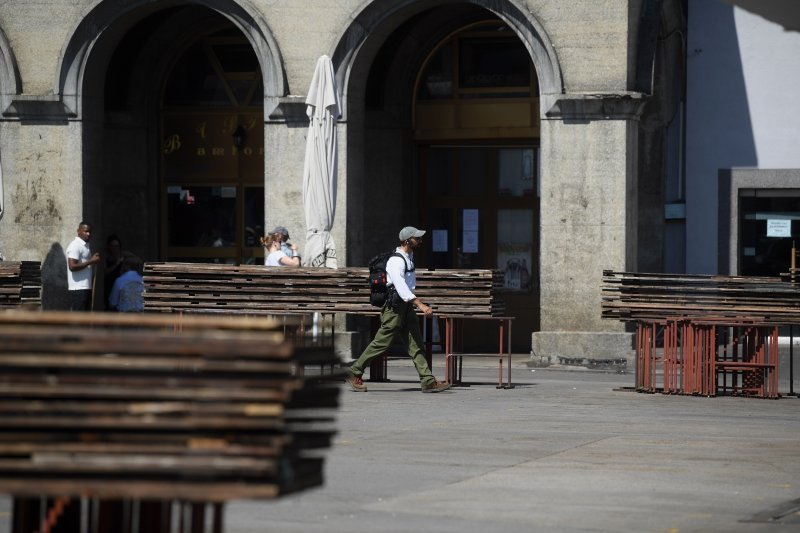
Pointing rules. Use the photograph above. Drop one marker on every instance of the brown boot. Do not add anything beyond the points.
(356, 383)
(436, 386)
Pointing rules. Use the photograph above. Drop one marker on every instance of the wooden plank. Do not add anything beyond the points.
(263, 290)
(112, 406)
(634, 296)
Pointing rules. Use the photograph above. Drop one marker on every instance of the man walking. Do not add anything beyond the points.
(79, 269)
(398, 317)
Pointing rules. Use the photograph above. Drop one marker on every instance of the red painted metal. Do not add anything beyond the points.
(707, 357)
(454, 355)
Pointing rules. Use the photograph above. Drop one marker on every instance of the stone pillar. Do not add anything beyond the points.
(588, 223)
(285, 133)
(44, 190)
(284, 149)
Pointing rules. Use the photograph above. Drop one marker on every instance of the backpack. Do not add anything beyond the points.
(378, 290)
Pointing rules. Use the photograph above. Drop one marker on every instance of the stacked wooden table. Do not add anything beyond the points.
(259, 290)
(699, 332)
(171, 408)
(20, 284)
(455, 296)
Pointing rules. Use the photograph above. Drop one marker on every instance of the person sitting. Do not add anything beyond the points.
(126, 293)
(274, 255)
(282, 233)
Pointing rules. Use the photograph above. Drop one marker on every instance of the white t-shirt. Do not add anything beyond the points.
(274, 258)
(79, 250)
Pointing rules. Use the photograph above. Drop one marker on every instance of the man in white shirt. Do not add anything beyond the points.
(80, 262)
(399, 318)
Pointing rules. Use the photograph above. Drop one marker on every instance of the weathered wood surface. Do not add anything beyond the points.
(20, 283)
(630, 296)
(158, 407)
(260, 290)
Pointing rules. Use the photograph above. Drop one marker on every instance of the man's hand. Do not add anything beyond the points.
(426, 310)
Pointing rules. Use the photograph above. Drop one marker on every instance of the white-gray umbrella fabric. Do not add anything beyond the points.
(320, 168)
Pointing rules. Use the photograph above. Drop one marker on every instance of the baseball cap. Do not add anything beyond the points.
(280, 229)
(410, 231)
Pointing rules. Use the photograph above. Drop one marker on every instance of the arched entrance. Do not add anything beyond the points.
(127, 74)
(462, 162)
(476, 127)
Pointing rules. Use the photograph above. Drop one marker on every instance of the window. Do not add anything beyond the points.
(480, 205)
(492, 63)
(769, 224)
(212, 166)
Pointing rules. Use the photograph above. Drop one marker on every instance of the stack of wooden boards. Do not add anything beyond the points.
(20, 283)
(158, 407)
(259, 290)
(631, 296)
(703, 334)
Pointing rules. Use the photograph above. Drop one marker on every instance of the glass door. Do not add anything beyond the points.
(481, 207)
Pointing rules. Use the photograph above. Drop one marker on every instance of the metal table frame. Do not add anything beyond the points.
(454, 355)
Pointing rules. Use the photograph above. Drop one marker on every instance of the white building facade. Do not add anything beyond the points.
(742, 177)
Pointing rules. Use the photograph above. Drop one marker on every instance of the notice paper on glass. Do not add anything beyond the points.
(470, 220)
(777, 227)
(439, 240)
(470, 242)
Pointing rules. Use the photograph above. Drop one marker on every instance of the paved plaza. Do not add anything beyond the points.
(563, 451)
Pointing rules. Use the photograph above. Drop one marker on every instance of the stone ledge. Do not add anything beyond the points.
(604, 106)
(290, 109)
(582, 348)
(38, 109)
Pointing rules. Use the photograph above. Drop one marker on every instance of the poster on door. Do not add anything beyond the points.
(515, 262)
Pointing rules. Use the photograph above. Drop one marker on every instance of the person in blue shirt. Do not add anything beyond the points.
(126, 293)
(398, 317)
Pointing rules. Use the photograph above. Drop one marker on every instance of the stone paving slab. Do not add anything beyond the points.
(563, 451)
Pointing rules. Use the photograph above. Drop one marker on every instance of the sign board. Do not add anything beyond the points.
(777, 227)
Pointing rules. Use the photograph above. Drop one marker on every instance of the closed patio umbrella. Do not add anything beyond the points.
(320, 168)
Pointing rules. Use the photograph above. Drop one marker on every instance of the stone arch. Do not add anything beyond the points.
(10, 86)
(107, 21)
(10, 82)
(381, 17)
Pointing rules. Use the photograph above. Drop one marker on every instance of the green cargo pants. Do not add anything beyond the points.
(401, 323)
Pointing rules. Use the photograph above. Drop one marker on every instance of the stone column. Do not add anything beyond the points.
(284, 150)
(588, 223)
(285, 133)
(45, 193)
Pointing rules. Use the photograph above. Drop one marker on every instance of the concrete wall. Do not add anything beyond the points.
(43, 201)
(742, 111)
